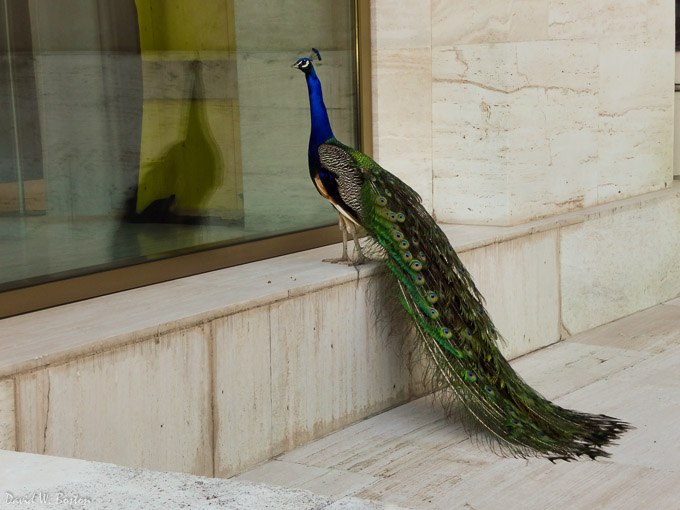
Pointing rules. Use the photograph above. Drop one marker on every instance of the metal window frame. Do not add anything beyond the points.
(45, 295)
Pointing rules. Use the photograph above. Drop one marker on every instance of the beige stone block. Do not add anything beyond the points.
(331, 363)
(456, 195)
(7, 415)
(635, 114)
(397, 24)
(604, 19)
(619, 263)
(661, 24)
(676, 132)
(488, 21)
(468, 114)
(242, 391)
(403, 77)
(32, 408)
(640, 23)
(145, 405)
(634, 78)
(514, 130)
(520, 281)
(402, 117)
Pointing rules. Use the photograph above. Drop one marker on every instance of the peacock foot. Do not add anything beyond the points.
(346, 261)
(341, 260)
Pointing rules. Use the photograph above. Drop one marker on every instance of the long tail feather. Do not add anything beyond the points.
(456, 333)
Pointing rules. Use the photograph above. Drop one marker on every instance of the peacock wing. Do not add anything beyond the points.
(349, 178)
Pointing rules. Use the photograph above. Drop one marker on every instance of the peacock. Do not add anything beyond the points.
(452, 326)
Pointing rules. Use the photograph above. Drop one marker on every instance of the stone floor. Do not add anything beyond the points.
(414, 458)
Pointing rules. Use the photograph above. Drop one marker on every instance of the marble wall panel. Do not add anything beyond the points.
(468, 116)
(488, 21)
(676, 139)
(582, 19)
(620, 263)
(328, 370)
(634, 78)
(641, 23)
(242, 391)
(520, 281)
(402, 111)
(7, 415)
(526, 124)
(633, 160)
(402, 91)
(401, 25)
(142, 405)
(514, 130)
(634, 92)
(661, 24)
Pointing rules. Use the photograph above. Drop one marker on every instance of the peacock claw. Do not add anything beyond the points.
(346, 261)
(339, 260)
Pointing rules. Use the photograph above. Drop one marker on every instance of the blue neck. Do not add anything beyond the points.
(321, 126)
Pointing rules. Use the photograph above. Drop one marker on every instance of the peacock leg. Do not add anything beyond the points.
(359, 257)
(345, 257)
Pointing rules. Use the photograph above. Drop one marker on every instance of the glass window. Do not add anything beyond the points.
(137, 130)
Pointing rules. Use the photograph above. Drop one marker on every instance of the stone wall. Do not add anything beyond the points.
(504, 112)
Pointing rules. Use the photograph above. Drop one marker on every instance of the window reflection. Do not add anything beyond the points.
(136, 130)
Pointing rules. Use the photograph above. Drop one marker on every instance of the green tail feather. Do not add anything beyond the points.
(458, 336)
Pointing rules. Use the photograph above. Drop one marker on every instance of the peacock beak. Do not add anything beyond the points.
(296, 65)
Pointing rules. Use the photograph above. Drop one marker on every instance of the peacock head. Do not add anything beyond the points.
(304, 65)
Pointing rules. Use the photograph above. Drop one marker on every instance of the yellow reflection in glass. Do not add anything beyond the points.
(190, 157)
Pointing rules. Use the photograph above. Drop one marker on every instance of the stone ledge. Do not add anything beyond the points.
(57, 335)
